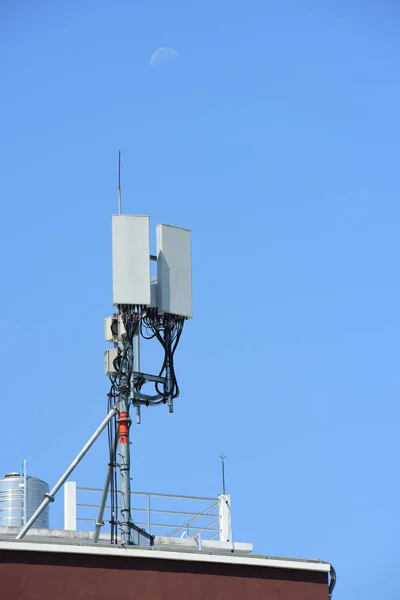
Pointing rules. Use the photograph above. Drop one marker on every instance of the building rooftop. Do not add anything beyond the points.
(183, 529)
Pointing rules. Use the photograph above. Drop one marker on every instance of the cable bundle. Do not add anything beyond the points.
(168, 330)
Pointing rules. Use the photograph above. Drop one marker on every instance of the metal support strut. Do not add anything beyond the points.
(99, 522)
(50, 496)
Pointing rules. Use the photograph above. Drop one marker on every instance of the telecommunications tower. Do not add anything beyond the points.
(146, 308)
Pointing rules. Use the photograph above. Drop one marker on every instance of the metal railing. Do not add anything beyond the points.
(167, 515)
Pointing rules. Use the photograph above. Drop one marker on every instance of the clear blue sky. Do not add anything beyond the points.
(275, 138)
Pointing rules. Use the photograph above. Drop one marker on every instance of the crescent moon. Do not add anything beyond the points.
(162, 56)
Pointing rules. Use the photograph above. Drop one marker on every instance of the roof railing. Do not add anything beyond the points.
(154, 514)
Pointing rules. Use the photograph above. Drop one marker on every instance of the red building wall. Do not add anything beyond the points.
(28, 575)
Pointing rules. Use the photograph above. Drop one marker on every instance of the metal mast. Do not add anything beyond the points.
(124, 423)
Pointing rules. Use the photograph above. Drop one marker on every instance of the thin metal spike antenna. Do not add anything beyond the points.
(119, 181)
(222, 457)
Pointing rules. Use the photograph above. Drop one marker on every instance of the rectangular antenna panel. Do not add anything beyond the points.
(131, 259)
(174, 270)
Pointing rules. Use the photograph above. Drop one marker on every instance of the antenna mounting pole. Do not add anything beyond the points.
(222, 457)
(123, 424)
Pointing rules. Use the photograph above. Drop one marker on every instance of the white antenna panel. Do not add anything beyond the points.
(131, 259)
(174, 270)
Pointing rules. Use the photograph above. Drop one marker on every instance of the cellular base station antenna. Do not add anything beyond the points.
(146, 308)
